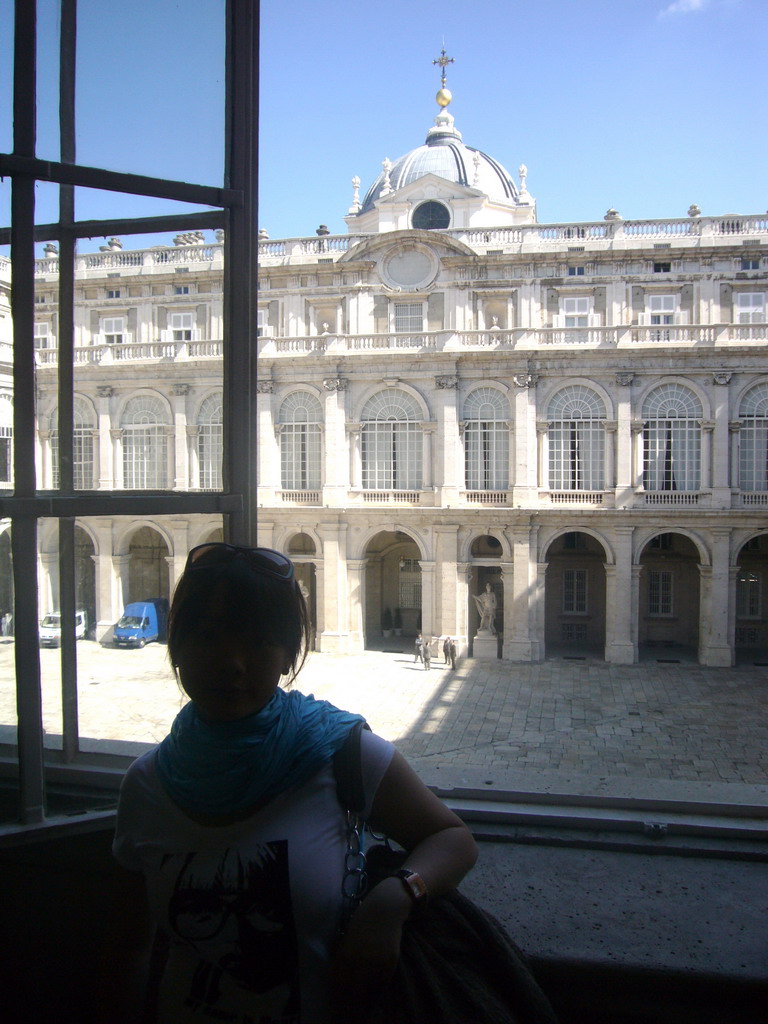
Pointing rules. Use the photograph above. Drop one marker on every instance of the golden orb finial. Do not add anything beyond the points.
(444, 96)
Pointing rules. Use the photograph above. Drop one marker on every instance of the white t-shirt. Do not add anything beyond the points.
(252, 908)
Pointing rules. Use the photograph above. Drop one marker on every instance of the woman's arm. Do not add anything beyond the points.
(439, 847)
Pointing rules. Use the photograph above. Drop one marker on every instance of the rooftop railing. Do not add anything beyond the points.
(634, 233)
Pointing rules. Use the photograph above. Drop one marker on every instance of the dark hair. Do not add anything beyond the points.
(275, 610)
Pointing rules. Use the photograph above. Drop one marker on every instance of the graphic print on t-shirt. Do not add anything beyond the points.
(235, 912)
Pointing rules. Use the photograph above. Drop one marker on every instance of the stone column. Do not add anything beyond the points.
(334, 638)
(508, 611)
(96, 470)
(637, 453)
(427, 600)
(116, 457)
(170, 453)
(538, 603)
(427, 446)
(707, 428)
(449, 463)
(49, 581)
(268, 450)
(717, 605)
(106, 611)
(735, 429)
(525, 490)
(120, 570)
(609, 471)
(319, 598)
(336, 464)
(107, 477)
(356, 607)
(447, 621)
(355, 456)
(193, 432)
(519, 603)
(721, 482)
(624, 443)
(181, 481)
(620, 647)
(46, 460)
(542, 455)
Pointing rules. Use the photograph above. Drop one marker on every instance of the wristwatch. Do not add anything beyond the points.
(414, 884)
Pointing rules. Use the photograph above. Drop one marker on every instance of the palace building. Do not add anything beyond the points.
(452, 397)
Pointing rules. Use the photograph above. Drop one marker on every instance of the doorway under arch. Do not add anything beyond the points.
(393, 596)
(574, 598)
(750, 639)
(85, 577)
(148, 570)
(303, 552)
(669, 600)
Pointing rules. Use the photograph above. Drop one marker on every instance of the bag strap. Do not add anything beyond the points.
(348, 770)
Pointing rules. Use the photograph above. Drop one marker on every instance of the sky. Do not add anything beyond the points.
(645, 106)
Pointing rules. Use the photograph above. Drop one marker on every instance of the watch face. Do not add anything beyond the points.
(431, 216)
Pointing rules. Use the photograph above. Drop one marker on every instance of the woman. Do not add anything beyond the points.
(233, 828)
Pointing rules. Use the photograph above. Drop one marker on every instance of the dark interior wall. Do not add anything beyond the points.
(52, 921)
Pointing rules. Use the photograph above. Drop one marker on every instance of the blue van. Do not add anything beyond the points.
(141, 623)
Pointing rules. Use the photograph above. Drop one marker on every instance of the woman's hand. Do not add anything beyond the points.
(367, 956)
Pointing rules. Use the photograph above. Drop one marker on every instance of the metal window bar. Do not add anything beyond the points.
(235, 212)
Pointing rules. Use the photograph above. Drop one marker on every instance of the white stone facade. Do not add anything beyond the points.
(575, 414)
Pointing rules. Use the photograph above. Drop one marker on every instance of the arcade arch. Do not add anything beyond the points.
(750, 638)
(669, 598)
(575, 596)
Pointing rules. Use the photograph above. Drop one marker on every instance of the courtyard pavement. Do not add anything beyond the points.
(485, 721)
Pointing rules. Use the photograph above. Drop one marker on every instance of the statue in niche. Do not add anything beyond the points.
(486, 606)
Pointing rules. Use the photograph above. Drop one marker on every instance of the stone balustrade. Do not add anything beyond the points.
(526, 339)
(618, 233)
(135, 352)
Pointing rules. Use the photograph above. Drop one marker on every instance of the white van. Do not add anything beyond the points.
(50, 628)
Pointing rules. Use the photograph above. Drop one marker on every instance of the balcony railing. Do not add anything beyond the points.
(300, 497)
(135, 352)
(600, 234)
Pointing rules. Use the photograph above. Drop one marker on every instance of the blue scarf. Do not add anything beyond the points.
(232, 767)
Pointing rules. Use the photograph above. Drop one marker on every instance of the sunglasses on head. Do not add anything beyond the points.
(262, 560)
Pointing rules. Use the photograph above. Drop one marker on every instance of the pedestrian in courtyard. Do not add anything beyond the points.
(418, 648)
(446, 650)
(427, 656)
(234, 825)
(452, 653)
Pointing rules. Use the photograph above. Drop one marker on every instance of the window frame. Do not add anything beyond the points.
(398, 319)
(232, 207)
(661, 593)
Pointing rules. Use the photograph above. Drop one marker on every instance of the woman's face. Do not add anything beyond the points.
(225, 668)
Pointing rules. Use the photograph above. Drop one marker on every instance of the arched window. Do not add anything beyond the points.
(82, 445)
(576, 436)
(209, 442)
(672, 439)
(753, 440)
(300, 417)
(391, 441)
(6, 439)
(145, 443)
(486, 441)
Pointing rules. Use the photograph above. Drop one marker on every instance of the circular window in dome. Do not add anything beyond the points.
(431, 215)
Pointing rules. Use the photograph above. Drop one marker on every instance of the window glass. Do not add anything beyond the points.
(173, 125)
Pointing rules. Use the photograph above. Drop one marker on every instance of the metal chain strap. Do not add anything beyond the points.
(355, 879)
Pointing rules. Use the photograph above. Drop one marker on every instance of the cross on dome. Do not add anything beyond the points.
(443, 96)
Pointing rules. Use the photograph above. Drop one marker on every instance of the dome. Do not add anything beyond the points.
(445, 155)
